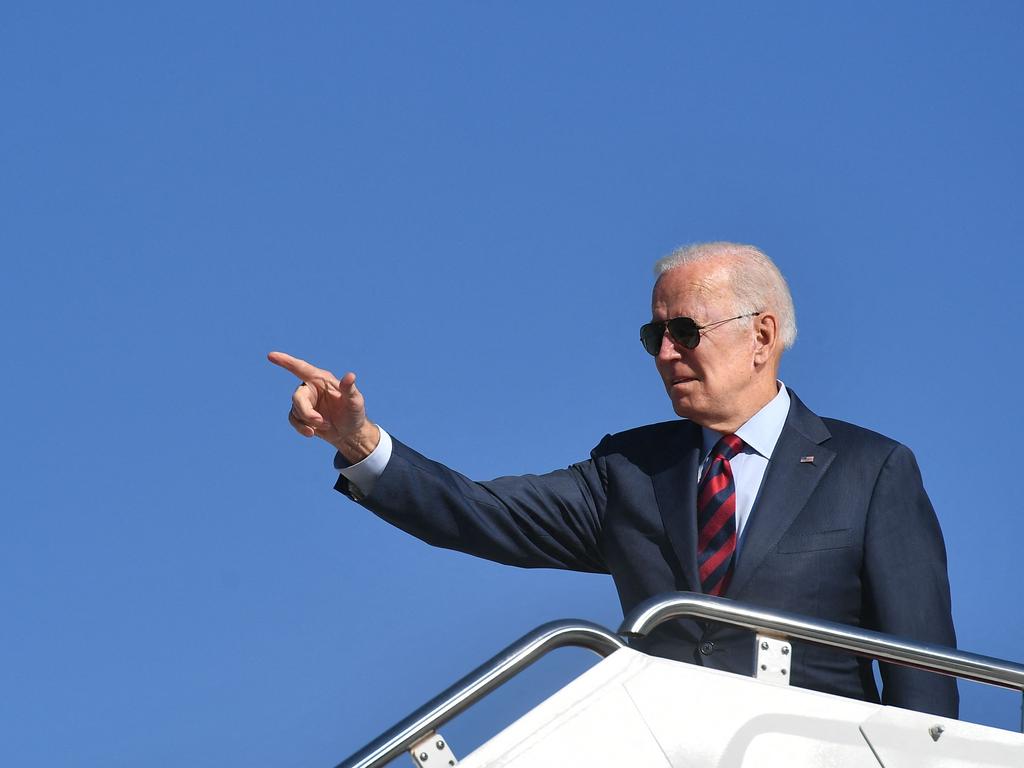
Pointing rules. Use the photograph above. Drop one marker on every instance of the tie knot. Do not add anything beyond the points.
(727, 447)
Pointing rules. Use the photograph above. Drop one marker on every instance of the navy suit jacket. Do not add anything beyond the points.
(849, 537)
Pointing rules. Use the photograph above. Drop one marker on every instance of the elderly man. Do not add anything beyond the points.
(750, 495)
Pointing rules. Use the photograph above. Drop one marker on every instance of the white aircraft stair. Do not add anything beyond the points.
(638, 711)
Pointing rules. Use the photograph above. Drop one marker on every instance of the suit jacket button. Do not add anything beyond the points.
(707, 648)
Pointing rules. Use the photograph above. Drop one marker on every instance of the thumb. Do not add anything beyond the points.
(346, 391)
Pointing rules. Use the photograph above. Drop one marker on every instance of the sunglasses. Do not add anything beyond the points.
(682, 330)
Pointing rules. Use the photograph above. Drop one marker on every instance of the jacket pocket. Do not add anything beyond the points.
(812, 542)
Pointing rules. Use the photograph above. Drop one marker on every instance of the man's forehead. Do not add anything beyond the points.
(691, 284)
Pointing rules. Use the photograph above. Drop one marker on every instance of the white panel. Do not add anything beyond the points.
(605, 731)
(903, 739)
(637, 711)
(708, 718)
(590, 722)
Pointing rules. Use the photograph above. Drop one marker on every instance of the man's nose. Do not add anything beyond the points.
(670, 349)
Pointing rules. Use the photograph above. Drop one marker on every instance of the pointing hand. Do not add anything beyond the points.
(330, 408)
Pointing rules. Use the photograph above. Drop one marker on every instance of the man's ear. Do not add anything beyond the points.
(766, 337)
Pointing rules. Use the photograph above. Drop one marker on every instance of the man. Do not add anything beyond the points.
(750, 496)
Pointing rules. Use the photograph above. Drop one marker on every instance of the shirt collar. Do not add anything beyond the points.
(761, 431)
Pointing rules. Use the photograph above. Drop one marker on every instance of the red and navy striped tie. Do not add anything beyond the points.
(716, 518)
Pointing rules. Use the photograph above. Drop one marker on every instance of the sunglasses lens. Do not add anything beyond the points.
(650, 337)
(685, 331)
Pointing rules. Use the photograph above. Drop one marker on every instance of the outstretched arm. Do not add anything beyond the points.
(550, 521)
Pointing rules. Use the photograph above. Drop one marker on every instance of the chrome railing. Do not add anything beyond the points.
(480, 682)
(864, 642)
(641, 621)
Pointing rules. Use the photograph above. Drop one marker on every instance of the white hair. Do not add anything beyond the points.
(756, 283)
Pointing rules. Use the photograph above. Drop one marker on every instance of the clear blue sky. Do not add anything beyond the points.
(461, 202)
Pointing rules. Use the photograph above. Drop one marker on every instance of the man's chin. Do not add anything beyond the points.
(683, 408)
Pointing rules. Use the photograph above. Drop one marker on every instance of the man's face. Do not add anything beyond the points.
(713, 384)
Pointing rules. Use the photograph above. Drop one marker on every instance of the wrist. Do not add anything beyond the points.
(359, 445)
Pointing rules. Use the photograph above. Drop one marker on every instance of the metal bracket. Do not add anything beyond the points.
(432, 751)
(774, 659)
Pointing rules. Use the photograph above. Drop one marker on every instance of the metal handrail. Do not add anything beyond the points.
(933, 658)
(644, 618)
(480, 682)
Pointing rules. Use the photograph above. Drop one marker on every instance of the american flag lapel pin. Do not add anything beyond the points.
(806, 459)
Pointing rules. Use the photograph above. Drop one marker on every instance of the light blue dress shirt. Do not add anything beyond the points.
(759, 435)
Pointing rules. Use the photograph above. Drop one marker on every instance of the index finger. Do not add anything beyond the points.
(294, 365)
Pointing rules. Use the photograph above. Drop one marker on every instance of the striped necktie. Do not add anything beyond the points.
(716, 518)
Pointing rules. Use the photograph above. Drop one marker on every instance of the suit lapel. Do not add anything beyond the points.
(675, 487)
(788, 483)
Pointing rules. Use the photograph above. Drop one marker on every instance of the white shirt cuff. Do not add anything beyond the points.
(363, 475)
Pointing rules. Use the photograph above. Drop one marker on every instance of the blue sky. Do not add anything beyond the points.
(461, 202)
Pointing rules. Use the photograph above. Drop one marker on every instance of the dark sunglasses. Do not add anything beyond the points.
(682, 330)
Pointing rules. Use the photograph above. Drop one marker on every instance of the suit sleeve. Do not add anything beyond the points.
(906, 583)
(531, 521)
